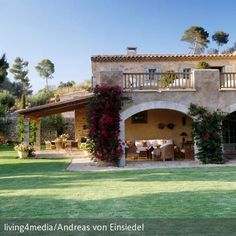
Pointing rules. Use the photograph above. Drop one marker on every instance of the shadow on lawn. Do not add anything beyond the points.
(52, 174)
(185, 204)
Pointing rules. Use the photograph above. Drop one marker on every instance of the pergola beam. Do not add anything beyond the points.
(36, 113)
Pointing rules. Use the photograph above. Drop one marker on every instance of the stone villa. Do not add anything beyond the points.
(158, 110)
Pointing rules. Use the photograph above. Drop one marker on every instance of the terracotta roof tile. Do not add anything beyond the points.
(143, 57)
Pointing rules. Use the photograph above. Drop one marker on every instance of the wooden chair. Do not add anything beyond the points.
(53, 146)
(48, 145)
(58, 145)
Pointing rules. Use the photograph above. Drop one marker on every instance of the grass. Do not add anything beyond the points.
(44, 189)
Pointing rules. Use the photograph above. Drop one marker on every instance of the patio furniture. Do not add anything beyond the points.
(156, 154)
(50, 145)
(167, 151)
(75, 144)
(58, 145)
(70, 144)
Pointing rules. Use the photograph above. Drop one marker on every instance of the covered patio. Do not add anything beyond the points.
(78, 105)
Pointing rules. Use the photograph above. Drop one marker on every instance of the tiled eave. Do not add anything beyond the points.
(160, 57)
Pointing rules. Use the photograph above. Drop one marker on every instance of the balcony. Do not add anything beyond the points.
(177, 81)
(228, 80)
(158, 81)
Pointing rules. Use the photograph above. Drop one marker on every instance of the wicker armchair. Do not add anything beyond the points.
(167, 152)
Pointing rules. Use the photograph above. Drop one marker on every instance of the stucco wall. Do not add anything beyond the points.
(151, 130)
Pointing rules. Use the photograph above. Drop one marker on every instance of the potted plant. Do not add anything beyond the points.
(88, 147)
(23, 150)
(64, 137)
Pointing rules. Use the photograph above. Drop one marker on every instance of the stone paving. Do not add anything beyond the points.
(81, 162)
(85, 164)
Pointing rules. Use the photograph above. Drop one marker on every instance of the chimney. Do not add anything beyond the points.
(131, 50)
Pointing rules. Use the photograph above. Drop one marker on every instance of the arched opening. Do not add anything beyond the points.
(155, 127)
(229, 135)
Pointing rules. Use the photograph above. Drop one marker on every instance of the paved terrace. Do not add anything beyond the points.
(81, 162)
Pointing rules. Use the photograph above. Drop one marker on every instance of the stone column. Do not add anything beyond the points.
(26, 131)
(195, 150)
(38, 135)
(122, 138)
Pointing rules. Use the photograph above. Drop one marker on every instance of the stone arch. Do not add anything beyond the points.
(153, 105)
(146, 106)
(231, 108)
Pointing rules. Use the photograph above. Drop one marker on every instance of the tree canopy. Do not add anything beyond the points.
(220, 38)
(197, 37)
(7, 101)
(20, 72)
(230, 49)
(3, 68)
(40, 98)
(45, 69)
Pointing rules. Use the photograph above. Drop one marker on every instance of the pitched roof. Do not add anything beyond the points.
(159, 57)
(54, 108)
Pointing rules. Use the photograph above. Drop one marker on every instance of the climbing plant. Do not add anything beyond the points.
(20, 128)
(207, 132)
(32, 130)
(103, 120)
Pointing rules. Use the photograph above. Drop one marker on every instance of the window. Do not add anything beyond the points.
(152, 73)
(186, 70)
(139, 118)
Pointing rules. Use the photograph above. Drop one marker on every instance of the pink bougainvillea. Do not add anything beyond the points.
(104, 123)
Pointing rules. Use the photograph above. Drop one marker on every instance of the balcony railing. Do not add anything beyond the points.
(158, 81)
(228, 80)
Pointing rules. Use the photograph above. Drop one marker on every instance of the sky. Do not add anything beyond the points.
(69, 32)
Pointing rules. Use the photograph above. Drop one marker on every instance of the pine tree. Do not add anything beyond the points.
(20, 71)
(197, 37)
(45, 69)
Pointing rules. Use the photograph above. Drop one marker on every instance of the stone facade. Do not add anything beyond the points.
(11, 134)
(81, 126)
(206, 92)
(142, 66)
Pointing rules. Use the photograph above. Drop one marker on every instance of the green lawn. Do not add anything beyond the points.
(44, 189)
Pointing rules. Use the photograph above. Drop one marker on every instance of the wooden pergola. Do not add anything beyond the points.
(36, 113)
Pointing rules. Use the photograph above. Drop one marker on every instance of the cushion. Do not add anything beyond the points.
(143, 143)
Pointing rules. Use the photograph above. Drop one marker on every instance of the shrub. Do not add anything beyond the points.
(207, 132)
(167, 78)
(41, 98)
(23, 147)
(202, 65)
(88, 146)
(54, 122)
(6, 99)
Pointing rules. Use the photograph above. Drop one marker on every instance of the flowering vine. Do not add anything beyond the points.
(207, 132)
(104, 123)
